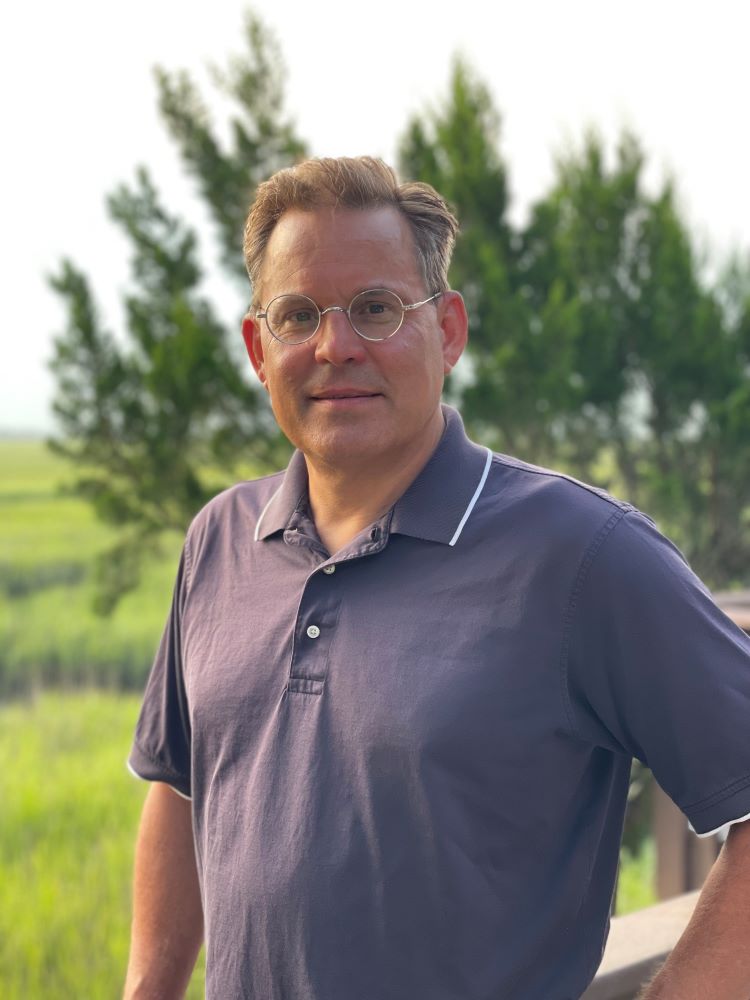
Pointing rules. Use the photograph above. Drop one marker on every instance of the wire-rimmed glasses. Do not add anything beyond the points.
(375, 314)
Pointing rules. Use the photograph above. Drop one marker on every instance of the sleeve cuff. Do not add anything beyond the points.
(720, 831)
(718, 813)
(142, 766)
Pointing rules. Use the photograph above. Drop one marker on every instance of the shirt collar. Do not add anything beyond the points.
(288, 503)
(436, 505)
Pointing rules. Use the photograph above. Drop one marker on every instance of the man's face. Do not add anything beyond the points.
(342, 400)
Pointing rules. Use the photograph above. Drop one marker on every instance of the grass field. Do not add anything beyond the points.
(48, 540)
(69, 814)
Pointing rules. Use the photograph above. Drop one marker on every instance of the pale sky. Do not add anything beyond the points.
(79, 110)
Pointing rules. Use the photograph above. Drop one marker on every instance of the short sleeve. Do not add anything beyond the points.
(161, 747)
(654, 669)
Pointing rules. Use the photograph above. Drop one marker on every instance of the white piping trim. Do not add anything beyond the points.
(474, 499)
(187, 798)
(723, 830)
(141, 778)
(134, 772)
(263, 512)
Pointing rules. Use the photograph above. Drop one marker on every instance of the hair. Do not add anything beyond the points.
(360, 183)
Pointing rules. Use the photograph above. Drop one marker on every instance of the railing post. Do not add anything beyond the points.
(682, 860)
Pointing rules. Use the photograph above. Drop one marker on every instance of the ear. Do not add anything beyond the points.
(454, 323)
(254, 345)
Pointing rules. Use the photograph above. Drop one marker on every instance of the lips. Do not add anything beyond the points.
(344, 393)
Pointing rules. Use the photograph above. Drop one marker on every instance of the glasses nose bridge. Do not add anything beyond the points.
(340, 309)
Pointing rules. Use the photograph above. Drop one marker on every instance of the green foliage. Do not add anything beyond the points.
(144, 416)
(636, 879)
(594, 337)
(70, 811)
(261, 140)
(457, 152)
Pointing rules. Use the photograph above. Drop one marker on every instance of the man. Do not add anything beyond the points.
(402, 682)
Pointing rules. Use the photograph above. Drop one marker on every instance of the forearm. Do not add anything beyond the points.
(712, 958)
(167, 927)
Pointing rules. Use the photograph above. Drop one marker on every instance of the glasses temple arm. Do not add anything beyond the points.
(422, 303)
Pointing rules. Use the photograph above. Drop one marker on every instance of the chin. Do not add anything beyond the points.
(346, 444)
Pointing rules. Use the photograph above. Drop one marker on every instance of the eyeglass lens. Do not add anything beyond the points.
(375, 314)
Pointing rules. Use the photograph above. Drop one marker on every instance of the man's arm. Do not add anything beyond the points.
(712, 958)
(167, 925)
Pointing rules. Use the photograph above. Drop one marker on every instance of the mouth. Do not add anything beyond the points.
(332, 395)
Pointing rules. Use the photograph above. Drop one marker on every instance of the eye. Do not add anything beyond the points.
(299, 316)
(378, 306)
(289, 315)
(374, 308)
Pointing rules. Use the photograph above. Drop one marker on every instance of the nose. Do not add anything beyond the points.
(336, 342)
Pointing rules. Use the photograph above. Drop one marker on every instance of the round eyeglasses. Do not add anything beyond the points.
(375, 314)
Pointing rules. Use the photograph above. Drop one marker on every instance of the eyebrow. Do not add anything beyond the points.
(395, 288)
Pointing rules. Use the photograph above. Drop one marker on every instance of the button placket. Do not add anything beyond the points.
(318, 612)
(315, 630)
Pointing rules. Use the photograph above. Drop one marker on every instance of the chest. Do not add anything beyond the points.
(416, 648)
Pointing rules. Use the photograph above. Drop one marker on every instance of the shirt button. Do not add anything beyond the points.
(313, 631)
(329, 569)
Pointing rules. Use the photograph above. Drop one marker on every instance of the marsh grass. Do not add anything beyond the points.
(49, 633)
(70, 812)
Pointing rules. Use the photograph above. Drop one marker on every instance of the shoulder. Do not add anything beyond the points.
(555, 486)
(594, 543)
(234, 510)
(549, 503)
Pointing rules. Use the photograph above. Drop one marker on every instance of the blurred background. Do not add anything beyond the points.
(597, 157)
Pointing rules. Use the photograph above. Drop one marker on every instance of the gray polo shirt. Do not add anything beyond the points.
(409, 763)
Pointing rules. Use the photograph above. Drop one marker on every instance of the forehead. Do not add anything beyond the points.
(340, 251)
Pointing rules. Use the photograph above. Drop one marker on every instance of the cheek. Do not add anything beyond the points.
(422, 367)
(281, 376)
(280, 395)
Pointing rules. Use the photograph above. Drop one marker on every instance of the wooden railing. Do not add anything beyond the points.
(638, 944)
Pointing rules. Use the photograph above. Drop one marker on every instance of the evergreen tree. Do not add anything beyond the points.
(595, 343)
(158, 420)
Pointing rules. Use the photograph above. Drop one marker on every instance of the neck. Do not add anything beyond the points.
(344, 500)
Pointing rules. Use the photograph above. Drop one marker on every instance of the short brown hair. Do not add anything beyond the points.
(353, 182)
